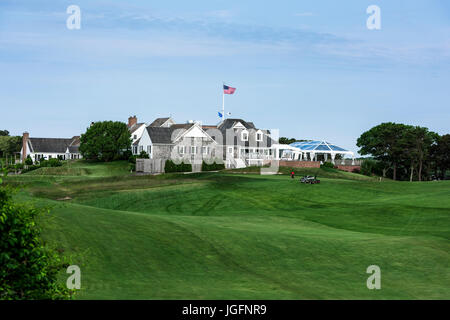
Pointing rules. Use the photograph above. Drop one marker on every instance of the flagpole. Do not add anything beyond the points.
(223, 103)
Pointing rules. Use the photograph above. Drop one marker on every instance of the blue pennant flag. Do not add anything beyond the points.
(220, 115)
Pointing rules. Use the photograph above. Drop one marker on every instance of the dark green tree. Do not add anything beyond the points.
(440, 156)
(385, 143)
(4, 133)
(9, 145)
(417, 142)
(105, 141)
(284, 140)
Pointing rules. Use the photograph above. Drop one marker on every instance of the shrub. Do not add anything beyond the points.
(170, 166)
(144, 155)
(186, 167)
(30, 168)
(213, 166)
(132, 159)
(28, 161)
(327, 165)
(19, 166)
(53, 162)
(368, 167)
(28, 269)
(356, 170)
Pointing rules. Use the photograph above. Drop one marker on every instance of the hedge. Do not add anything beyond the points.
(173, 167)
(213, 166)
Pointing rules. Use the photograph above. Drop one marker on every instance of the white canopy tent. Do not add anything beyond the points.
(285, 152)
(314, 148)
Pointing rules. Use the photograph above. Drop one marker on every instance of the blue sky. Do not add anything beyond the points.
(310, 68)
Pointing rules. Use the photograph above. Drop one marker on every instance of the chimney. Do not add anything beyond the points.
(132, 121)
(25, 137)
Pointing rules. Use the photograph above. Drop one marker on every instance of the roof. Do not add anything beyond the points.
(160, 134)
(54, 145)
(318, 146)
(158, 122)
(163, 135)
(207, 126)
(135, 126)
(230, 122)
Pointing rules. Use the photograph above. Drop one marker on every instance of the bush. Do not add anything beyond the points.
(171, 166)
(28, 269)
(30, 168)
(28, 161)
(143, 155)
(132, 159)
(53, 162)
(356, 170)
(327, 165)
(19, 166)
(371, 167)
(213, 166)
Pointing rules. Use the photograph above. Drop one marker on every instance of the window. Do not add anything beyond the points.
(149, 149)
(259, 136)
(134, 149)
(141, 148)
(194, 150)
(134, 137)
(244, 135)
(230, 150)
(205, 150)
(181, 149)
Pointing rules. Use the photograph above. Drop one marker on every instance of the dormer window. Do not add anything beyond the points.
(134, 137)
(244, 135)
(259, 135)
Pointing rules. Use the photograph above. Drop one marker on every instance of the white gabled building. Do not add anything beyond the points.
(47, 148)
(136, 129)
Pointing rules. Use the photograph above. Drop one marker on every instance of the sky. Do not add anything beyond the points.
(311, 69)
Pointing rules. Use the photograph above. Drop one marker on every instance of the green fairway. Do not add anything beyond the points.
(230, 235)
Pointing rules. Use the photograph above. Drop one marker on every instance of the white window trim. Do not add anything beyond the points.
(242, 135)
(259, 132)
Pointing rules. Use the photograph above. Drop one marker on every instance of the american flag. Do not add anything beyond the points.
(228, 90)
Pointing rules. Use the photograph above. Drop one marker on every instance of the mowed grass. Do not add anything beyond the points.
(246, 236)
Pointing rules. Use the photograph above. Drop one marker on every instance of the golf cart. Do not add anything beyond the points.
(309, 179)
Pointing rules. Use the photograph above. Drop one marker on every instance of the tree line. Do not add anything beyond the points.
(9, 145)
(406, 152)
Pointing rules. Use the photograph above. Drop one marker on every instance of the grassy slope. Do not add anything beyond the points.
(233, 236)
